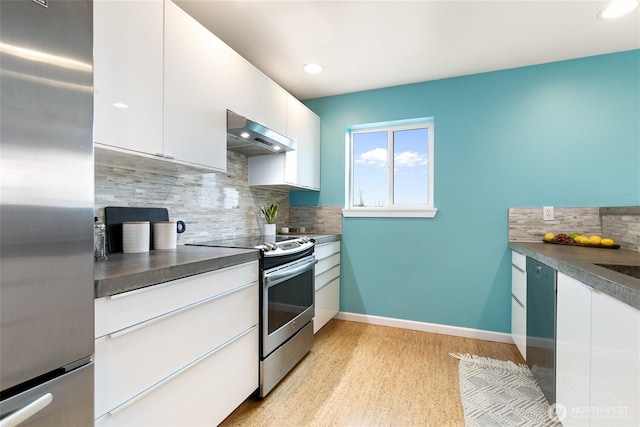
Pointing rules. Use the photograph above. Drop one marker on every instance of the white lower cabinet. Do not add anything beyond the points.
(615, 362)
(187, 356)
(573, 349)
(327, 278)
(598, 357)
(202, 394)
(519, 302)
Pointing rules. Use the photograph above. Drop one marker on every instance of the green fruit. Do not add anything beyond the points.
(574, 235)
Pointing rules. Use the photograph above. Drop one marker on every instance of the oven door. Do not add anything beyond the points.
(288, 302)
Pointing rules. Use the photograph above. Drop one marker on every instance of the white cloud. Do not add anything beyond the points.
(409, 159)
(375, 157)
(378, 157)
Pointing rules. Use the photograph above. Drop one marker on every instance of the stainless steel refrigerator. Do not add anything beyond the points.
(46, 213)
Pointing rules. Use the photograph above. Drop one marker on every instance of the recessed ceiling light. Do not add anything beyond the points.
(312, 68)
(120, 105)
(618, 8)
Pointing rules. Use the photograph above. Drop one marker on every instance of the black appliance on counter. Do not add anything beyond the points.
(541, 326)
(287, 302)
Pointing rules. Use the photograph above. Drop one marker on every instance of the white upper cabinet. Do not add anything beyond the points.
(312, 176)
(163, 84)
(298, 169)
(159, 83)
(256, 96)
(128, 57)
(303, 126)
(195, 80)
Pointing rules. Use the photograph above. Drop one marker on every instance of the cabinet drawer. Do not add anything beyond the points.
(203, 393)
(327, 304)
(519, 285)
(324, 278)
(519, 327)
(129, 361)
(519, 260)
(327, 263)
(123, 310)
(327, 249)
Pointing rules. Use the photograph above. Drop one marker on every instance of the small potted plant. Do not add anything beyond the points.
(270, 214)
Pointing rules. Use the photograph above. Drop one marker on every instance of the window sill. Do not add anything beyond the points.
(389, 212)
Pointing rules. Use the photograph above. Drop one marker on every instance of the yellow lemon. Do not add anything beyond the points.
(595, 240)
(549, 237)
(583, 240)
(607, 242)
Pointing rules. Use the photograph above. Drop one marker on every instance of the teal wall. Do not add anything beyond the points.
(559, 134)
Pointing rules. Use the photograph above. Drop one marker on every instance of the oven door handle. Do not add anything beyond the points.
(281, 276)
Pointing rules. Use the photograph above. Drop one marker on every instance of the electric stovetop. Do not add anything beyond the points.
(246, 242)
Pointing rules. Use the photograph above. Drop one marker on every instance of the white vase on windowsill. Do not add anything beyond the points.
(269, 229)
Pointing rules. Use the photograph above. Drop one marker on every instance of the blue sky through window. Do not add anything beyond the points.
(371, 168)
(410, 166)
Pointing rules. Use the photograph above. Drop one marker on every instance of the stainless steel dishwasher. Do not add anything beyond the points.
(541, 326)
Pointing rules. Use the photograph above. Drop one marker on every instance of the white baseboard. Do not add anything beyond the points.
(435, 328)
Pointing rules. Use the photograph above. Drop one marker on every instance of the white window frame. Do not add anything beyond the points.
(426, 210)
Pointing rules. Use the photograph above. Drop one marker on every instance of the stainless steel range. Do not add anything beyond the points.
(287, 302)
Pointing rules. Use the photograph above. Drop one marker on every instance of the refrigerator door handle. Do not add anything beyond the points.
(27, 412)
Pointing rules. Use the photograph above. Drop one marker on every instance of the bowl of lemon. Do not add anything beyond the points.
(578, 239)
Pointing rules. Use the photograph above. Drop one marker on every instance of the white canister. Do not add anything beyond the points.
(135, 236)
(165, 234)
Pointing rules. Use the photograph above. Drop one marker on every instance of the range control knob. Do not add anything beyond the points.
(266, 247)
(303, 239)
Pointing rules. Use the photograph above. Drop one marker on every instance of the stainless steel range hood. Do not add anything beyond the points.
(253, 139)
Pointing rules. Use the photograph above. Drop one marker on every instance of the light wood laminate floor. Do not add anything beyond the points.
(368, 375)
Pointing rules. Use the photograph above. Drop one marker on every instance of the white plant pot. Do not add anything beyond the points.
(269, 229)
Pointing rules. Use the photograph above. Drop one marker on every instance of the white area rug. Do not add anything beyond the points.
(501, 393)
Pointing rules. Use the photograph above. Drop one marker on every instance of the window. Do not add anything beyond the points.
(391, 169)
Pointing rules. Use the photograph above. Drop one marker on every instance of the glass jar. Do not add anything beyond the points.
(99, 239)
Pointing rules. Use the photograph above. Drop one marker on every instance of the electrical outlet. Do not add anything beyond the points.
(547, 213)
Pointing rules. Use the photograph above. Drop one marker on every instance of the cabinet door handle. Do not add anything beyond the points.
(328, 255)
(327, 283)
(162, 382)
(517, 300)
(22, 414)
(146, 323)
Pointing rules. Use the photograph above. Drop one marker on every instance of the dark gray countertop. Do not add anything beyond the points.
(579, 263)
(127, 272)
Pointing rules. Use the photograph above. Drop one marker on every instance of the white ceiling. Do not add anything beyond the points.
(372, 44)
